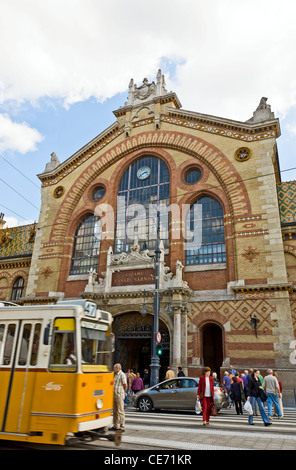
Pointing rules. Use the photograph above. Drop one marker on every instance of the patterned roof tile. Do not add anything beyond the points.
(17, 241)
(287, 201)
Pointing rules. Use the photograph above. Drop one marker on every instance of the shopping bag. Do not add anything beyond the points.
(213, 410)
(197, 406)
(248, 407)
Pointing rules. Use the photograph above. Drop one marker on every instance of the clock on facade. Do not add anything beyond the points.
(144, 172)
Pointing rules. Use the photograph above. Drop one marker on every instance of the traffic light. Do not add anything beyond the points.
(159, 350)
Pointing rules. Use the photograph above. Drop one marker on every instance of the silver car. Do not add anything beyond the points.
(177, 394)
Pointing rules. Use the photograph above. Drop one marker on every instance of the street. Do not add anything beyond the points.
(164, 430)
(227, 431)
(179, 433)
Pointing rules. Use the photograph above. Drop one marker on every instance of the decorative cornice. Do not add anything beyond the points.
(224, 127)
(106, 296)
(17, 264)
(210, 124)
(81, 156)
(38, 300)
(257, 288)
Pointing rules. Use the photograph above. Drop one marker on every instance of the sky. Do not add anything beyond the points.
(65, 66)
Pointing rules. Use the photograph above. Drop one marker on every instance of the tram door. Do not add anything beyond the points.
(19, 342)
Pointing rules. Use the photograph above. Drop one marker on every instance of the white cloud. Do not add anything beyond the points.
(19, 137)
(228, 53)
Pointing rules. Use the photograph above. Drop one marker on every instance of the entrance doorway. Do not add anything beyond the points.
(212, 347)
(133, 334)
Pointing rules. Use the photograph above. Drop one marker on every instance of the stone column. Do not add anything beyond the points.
(177, 340)
(184, 343)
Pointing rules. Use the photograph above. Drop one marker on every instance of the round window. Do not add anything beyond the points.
(99, 193)
(193, 175)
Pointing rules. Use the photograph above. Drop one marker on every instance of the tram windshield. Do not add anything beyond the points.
(95, 353)
(96, 347)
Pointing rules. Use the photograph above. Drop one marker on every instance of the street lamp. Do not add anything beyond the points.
(254, 321)
(155, 363)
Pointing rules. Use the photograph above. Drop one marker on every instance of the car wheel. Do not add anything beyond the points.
(145, 404)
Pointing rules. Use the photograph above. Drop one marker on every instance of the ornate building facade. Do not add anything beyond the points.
(227, 270)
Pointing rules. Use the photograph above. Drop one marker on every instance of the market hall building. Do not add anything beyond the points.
(227, 269)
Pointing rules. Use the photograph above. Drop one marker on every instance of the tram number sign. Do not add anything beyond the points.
(90, 309)
(158, 337)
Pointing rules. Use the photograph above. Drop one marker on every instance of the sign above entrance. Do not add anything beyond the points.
(133, 277)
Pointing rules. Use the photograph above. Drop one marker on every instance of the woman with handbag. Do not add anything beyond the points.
(205, 393)
(255, 388)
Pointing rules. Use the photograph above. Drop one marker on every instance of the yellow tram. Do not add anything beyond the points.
(56, 377)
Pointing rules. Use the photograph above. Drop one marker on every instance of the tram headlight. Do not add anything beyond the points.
(99, 403)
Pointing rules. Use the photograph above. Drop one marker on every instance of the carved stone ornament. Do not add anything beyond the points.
(5, 238)
(242, 154)
(59, 191)
(128, 262)
(144, 91)
(147, 90)
(53, 164)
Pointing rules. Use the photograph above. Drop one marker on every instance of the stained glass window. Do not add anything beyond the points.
(144, 186)
(86, 245)
(205, 240)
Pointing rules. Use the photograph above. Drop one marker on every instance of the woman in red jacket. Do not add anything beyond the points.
(205, 393)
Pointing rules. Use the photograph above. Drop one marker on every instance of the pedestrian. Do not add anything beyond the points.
(280, 393)
(244, 378)
(131, 375)
(146, 379)
(120, 387)
(227, 382)
(128, 382)
(254, 397)
(231, 370)
(180, 372)
(215, 377)
(137, 384)
(239, 379)
(205, 393)
(271, 386)
(238, 396)
(170, 373)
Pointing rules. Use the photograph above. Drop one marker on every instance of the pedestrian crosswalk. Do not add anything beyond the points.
(226, 430)
(226, 418)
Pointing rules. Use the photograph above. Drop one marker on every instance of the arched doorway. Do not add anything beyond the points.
(133, 334)
(212, 347)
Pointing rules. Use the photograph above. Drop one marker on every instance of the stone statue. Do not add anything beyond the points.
(54, 162)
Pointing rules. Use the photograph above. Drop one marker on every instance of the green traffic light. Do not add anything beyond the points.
(159, 350)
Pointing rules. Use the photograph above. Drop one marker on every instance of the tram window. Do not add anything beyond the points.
(35, 346)
(63, 353)
(8, 348)
(25, 342)
(96, 346)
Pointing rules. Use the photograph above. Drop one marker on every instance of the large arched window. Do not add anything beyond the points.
(144, 186)
(18, 288)
(86, 246)
(205, 240)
